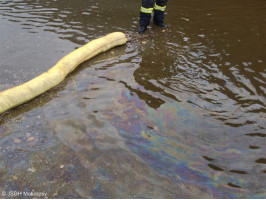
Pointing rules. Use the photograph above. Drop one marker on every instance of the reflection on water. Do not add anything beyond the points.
(71, 20)
(173, 114)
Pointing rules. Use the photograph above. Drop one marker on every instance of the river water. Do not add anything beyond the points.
(175, 113)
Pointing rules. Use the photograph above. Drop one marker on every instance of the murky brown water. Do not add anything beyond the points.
(173, 114)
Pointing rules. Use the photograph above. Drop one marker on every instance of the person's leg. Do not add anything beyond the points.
(159, 9)
(145, 14)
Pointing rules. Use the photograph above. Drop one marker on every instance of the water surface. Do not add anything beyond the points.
(176, 113)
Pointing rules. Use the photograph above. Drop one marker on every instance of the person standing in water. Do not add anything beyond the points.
(146, 10)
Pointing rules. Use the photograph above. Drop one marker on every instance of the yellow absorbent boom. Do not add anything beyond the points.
(18, 95)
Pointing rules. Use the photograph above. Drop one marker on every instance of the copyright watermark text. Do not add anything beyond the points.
(23, 194)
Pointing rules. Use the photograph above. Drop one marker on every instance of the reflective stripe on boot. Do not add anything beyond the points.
(160, 8)
(146, 10)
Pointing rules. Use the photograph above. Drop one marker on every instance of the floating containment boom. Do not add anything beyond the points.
(18, 95)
